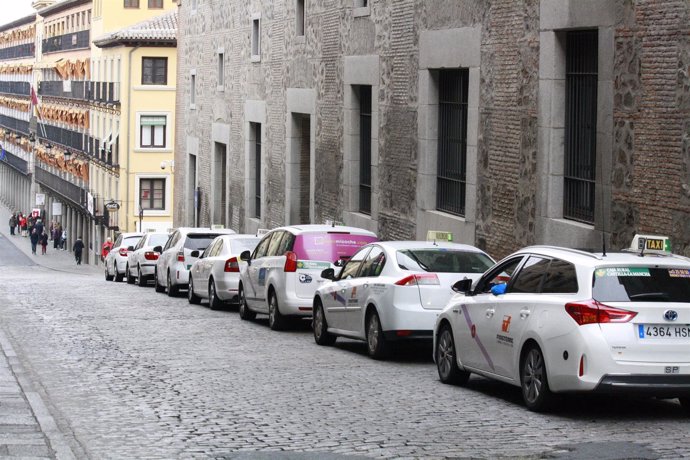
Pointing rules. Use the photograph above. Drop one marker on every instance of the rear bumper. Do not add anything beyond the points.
(654, 385)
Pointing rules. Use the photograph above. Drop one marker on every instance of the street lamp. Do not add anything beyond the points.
(67, 155)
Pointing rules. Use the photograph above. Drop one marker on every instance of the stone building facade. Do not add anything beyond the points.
(506, 122)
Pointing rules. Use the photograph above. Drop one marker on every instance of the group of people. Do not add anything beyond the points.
(33, 228)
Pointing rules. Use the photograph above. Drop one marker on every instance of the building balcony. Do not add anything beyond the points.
(62, 187)
(17, 163)
(61, 138)
(14, 124)
(17, 88)
(67, 42)
(18, 51)
(92, 91)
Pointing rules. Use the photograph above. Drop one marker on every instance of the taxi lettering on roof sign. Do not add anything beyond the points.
(651, 244)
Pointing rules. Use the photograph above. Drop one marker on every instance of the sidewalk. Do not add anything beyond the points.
(55, 259)
(27, 428)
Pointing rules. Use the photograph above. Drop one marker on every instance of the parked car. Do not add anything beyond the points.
(216, 274)
(116, 260)
(172, 266)
(283, 272)
(555, 320)
(141, 259)
(393, 290)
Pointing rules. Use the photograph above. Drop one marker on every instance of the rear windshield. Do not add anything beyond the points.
(329, 247)
(130, 241)
(443, 260)
(158, 240)
(641, 284)
(199, 241)
(240, 245)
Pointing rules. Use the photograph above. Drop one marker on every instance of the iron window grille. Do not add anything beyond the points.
(580, 125)
(452, 141)
(365, 149)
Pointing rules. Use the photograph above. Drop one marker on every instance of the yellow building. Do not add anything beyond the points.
(140, 62)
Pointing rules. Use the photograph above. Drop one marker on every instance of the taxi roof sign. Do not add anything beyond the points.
(435, 235)
(261, 232)
(217, 227)
(651, 244)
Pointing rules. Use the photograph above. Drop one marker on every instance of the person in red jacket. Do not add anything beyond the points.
(106, 248)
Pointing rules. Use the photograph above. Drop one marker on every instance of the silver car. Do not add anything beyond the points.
(216, 274)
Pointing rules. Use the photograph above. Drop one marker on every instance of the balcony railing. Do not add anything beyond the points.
(14, 124)
(19, 88)
(93, 91)
(17, 163)
(63, 187)
(18, 51)
(71, 41)
(62, 136)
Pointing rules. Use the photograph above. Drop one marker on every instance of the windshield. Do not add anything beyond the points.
(329, 247)
(240, 245)
(199, 241)
(443, 260)
(641, 284)
(158, 240)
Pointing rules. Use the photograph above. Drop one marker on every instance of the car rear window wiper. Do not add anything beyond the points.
(419, 262)
(649, 295)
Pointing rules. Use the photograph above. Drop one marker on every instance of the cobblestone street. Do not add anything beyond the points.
(128, 373)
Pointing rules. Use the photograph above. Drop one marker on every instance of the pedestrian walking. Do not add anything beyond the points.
(63, 239)
(39, 226)
(34, 241)
(57, 235)
(78, 248)
(13, 223)
(22, 225)
(105, 249)
(44, 243)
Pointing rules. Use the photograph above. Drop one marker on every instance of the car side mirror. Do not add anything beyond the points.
(194, 254)
(499, 289)
(158, 249)
(463, 286)
(131, 248)
(328, 274)
(245, 256)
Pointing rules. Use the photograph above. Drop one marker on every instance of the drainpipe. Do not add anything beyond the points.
(129, 134)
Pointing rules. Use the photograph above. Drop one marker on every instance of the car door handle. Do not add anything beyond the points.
(524, 313)
(490, 313)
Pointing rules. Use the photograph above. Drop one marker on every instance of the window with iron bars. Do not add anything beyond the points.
(452, 141)
(581, 77)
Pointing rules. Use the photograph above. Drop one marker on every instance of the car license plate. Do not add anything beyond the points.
(663, 331)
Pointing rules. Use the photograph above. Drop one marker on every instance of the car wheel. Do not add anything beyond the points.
(321, 334)
(685, 404)
(214, 301)
(156, 284)
(191, 297)
(130, 278)
(245, 313)
(276, 321)
(118, 276)
(446, 359)
(108, 276)
(377, 346)
(535, 385)
(172, 290)
(141, 279)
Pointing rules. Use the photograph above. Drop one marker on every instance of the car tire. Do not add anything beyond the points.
(169, 288)
(377, 346)
(245, 313)
(534, 382)
(142, 281)
(191, 297)
(446, 359)
(157, 286)
(276, 321)
(130, 278)
(118, 276)
(685, 404)
(108, 276)
(321, 334)
(214, 302)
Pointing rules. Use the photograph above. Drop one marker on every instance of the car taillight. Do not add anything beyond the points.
(180, 256)
(593, 312)
(123, 252)
(150, 255)
(232, 265)
(290, 262)
(419, 279)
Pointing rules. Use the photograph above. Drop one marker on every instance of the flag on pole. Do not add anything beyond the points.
(34, 98)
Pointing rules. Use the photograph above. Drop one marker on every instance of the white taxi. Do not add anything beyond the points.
(283, 272)
(555, 320)
(141, 258)
(391, 291)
